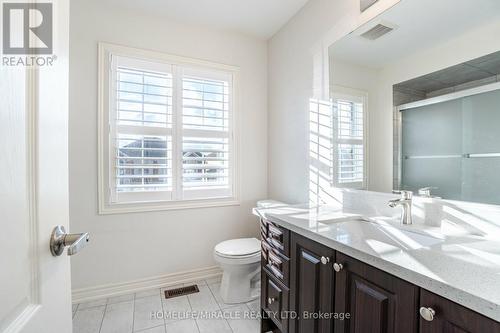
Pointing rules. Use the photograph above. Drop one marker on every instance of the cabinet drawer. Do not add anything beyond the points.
(274, 300)
(278, 265)
(279, 238)
(263, 229)
(265, 248)
(276, 236)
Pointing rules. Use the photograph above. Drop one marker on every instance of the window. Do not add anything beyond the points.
(349, 137)
(167, 131)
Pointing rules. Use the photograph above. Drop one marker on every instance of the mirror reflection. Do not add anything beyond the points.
(424, 117)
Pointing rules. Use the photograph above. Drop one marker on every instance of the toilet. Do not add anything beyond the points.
(239, 260)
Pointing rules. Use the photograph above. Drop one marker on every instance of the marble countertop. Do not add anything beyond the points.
(462, 268)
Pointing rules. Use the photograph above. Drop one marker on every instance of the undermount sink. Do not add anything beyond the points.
(388, 226)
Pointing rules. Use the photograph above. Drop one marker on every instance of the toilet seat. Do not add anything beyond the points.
(238, 248)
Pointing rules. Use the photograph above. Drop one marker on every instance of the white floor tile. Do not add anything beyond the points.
(144, 309)
(239, 321)
(176, 308)
(215, 288)
(147, 293)
(122, 298)
(254, 305)
(204, 300)
(183, 326)
(213, 325)
(157, 329)
(127, 313)
(88, 320)
(91, 304)
(118, 318)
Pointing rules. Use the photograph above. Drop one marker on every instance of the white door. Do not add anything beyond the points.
(35, 287)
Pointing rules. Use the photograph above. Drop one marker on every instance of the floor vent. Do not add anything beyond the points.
(183, 291)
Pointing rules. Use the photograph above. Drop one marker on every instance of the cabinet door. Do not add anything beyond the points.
(450, 317)
(311, 285)
(274, 300)
(375, 300)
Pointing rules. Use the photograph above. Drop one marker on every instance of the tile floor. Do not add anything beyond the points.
(133, 313)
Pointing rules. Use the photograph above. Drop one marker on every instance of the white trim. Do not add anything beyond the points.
(106, 205)
(129, 287)
(138, 207)
(163, 57)
(449, 97)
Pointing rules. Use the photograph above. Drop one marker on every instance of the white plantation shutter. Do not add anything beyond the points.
(171, 135)
(206, 134)
(349, 138)
(142, 130)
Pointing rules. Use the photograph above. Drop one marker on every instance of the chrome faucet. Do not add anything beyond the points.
(405, 203)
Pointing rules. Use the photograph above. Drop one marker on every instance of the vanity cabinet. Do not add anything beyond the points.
(302, 278)
(311, 285)
(445, 316)
(376, 301)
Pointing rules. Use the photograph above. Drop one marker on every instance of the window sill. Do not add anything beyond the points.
(143, 207)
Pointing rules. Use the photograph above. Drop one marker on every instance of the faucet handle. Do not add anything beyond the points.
(426, 191)
(405, 195)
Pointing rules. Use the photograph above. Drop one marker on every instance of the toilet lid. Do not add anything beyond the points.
(238, 247)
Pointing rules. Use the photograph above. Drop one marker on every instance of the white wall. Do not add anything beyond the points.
(298, 57)
(132, 246)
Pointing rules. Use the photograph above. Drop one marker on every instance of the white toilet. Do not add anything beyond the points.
(240, 263)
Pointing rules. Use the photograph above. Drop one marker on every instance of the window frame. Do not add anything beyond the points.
(106, 127)
(353, 95)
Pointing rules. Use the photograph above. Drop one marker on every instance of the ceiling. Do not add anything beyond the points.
(259, 18)
(420, 24)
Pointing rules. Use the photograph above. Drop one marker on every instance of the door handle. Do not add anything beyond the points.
(60, 239)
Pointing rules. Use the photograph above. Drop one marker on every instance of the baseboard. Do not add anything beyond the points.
(123, 288)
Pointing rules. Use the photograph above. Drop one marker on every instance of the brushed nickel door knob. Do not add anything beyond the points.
(337, 267)
(427, 313)
(325, 260)
(59, 239)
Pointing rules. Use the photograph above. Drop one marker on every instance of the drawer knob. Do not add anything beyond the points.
(427, 313)
(337, 267)
(271, 300)
(325, 260)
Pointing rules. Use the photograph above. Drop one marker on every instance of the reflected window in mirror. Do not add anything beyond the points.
(349, 151)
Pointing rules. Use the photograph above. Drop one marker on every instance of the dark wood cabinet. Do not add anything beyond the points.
(450, 317)
(311, 285)
(274, 300)
(376, 301)
(275, 267)
(312, 280)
